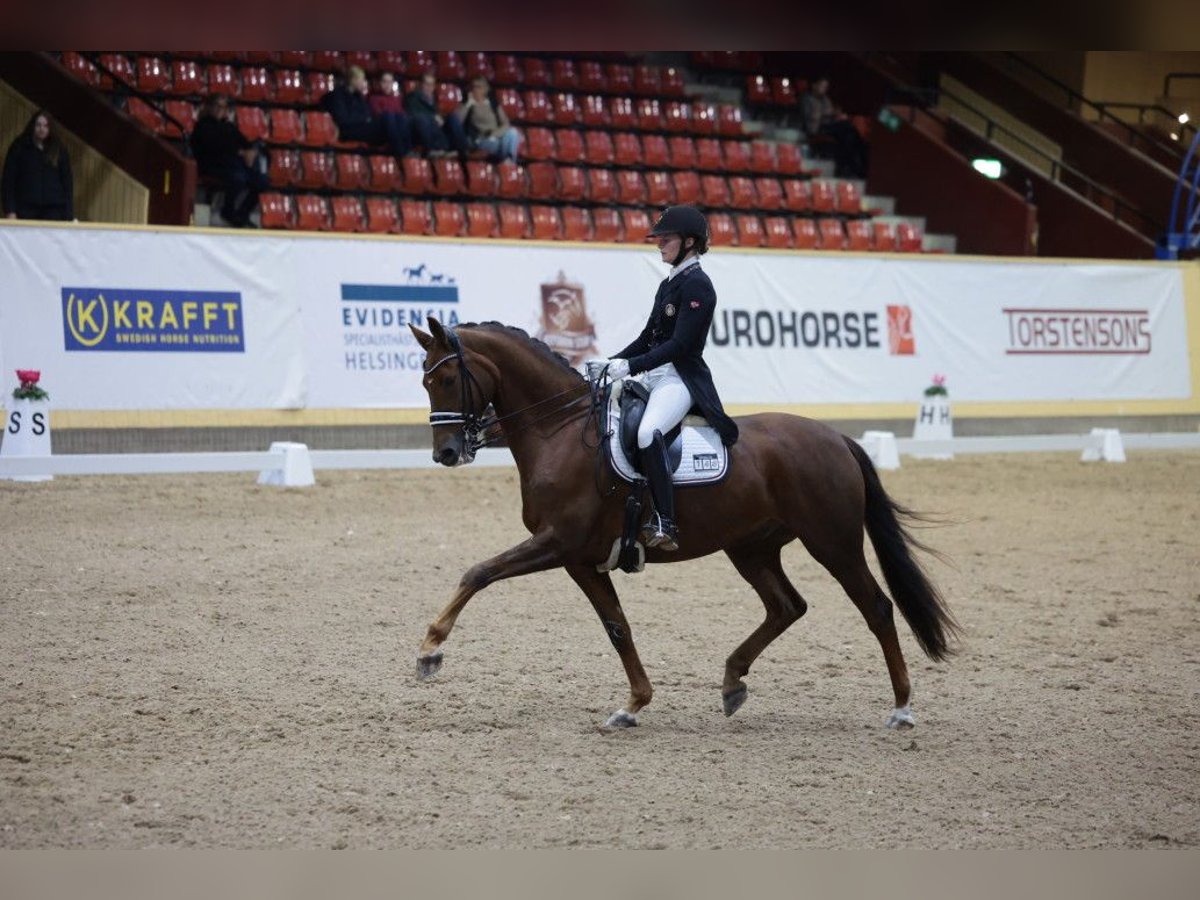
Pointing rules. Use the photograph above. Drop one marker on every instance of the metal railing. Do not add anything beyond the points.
(149, 99)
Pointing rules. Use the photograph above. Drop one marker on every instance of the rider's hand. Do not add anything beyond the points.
(618, 368)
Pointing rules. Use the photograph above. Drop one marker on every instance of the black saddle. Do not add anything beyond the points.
(634, 396)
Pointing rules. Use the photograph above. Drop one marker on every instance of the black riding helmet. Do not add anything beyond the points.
(686, 221)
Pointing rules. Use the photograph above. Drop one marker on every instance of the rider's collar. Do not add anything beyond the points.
(683, 266)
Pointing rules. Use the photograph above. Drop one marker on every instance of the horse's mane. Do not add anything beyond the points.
(520, 334)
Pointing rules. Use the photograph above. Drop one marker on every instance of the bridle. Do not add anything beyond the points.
(475, 424)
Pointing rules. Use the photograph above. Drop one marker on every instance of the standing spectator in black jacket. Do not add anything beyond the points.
(438, 134)
(351, 112)
(37, 174)
(228, 158)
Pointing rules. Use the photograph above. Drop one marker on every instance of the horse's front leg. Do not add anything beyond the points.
(534, 555)
(599, 589)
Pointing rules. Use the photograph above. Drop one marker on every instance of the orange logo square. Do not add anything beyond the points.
(901, 341)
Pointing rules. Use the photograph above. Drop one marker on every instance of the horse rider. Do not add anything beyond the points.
(668, 354)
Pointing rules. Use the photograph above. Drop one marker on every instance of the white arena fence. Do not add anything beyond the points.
(293, 464)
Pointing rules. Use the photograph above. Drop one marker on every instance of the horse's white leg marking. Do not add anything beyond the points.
(621, 719)
(901, 718)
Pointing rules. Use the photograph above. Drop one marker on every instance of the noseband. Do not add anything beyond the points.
(473, 424)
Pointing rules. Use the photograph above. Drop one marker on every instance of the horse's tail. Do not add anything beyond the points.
(919, 601)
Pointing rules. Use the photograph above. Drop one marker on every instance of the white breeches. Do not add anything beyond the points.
(669, 402)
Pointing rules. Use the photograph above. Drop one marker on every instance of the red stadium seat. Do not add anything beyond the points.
(448, 178)
(543, 180)
(348, 214)
(608, 225)
(847, 198)
(564, 110)
(415, 217)
(577, 224)
(534, 72)
(251, 122)
(571, 183)
(647, 80)
(547, 223)
(649, 114)
(783, 91)
(284, 168)
(481, 178)
(770, 193)
(141, 111)
(537, 107)
(257, 85)
(351, 173)
(384, 173)
(821, 192)
(885, 236)
(482, 221)
(312, 213)
(704, 117)
(762, 157)
(628, 149)
(364, 59)
(381, 215)
(277, 210)
(602, 186)
(294, 59)
(184, 113)
(660, 191)
(620, 78)
(806, 235)
(833, 237)
(120, 67)
(513, 180)
(81, 68)
(737, 156)
(721, 229)
(449, 220)
(479, 62)
(539, 144)
(510, 100)
(153, 75)
(418, 62)
(909, 238)
(758, 90)
(285, 126)
(621, 112)
(591, 77)
(729, 120)
(598, 148)
(750, 231)
(568, 145)
(594, 111)
(514, 220)
(222, 79)
(416, 177)
(319, 129)
(677, 115)
(631, 186)
(859, 235)
(797, 195)
(449, 65)
(778, 233)
(788, 160)
(714, 191)
(637, 225)
(656, 152)
(682, 152)
(318, 84)
(327, 60)
(708, 155)
(671, 82)
(449, 97)
(741, 193)
(507, 69)
(187, 78)
(687, 186)
(316, 169)
(289, 86)
(391, 61)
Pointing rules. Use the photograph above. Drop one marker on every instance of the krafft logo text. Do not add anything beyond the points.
(901, 340)
(126, 319)
(1078, 332)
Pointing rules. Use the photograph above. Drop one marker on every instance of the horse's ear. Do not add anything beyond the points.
(425, 340)
(438, 332)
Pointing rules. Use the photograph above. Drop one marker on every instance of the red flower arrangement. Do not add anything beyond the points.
(28, 389)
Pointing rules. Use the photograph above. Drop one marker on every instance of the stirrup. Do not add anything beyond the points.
(660, 533)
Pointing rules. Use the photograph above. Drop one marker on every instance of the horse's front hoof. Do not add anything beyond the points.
(901, 719)
(621, 719)
(428, 666)
(733, 701)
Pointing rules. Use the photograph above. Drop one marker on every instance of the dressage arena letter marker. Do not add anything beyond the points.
(26, 433)
(881, 447)
(295, 470)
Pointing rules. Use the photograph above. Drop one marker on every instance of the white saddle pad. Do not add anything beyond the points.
(704, 459)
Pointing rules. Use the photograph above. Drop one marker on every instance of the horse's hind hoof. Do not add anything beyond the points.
(621, 719)
(733, 701)
(428, 666)
(901, 719)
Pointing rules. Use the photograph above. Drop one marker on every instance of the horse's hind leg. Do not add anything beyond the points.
(761, 567)
(599, 589)
(858, 582)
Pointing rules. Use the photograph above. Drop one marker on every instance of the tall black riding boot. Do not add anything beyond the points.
(660, 531)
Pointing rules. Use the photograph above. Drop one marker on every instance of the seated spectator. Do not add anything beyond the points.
(348, 105)
(227, 158)
(37, 174)
(486, 123)
(439, 135)
(823, 119)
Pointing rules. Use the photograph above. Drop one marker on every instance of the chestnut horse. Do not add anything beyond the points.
(790, 478)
